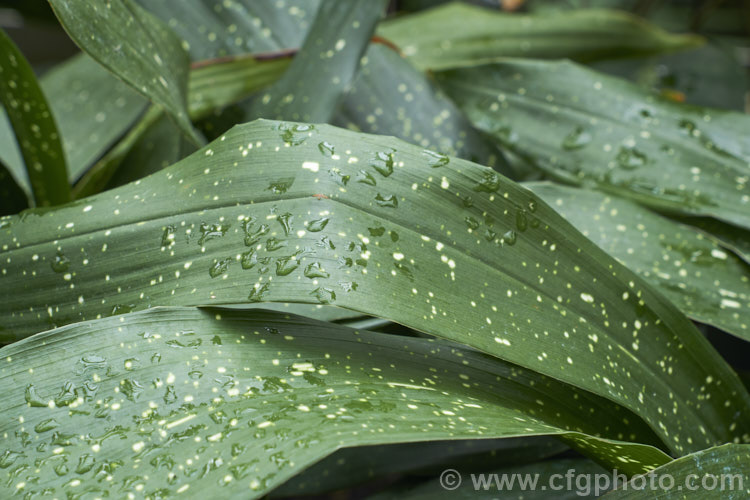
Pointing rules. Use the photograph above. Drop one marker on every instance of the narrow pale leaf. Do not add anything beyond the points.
(438, 244)
(10, 154)
(180, 400)
(457, 35)
(33, 125)
(136, 46)
(218, 83)
(324, 66)
(706, 282)
(583, 127)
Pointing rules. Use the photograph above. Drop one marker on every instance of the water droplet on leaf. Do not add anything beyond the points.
(60, 263)
(577, 139)
(630, 158)
(219, 267)
(315, 270)
(386, 201)
(317, 225)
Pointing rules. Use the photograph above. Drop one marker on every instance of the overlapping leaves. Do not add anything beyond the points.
(288, 212)
(171, 401)
(706, 282)
(605, 132)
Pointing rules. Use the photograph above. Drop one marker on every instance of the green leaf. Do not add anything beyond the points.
(159, 146)
(215, 84)
(34, 126)
(438, 244)
(458, 35)
(218, 28)
(586, 128)
(694, 272)
(732, 237)
(707, 76)
(136, 47)
(351, 466)
(10, 154)
(93, 110)
(723, 470)
(101, 173)
(549, 478)
(325, 65)
(180, 400)
(391, 97)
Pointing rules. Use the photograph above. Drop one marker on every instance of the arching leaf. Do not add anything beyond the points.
(325, 65)
(392, 97)
(288, 212)
(34, 127)
(716, 473)
(706, 282)
(218, 83)
(180, 400)
(604, 132)
(213, 84)
(457, 35)
(92, 107)
(136, 46)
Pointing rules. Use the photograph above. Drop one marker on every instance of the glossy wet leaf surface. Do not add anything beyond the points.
(587, 128)
(324, 66)
(706, 282)
(726, 467)
(456, 35)
(34, 127)
(170, 401)
(391, 97)
(136, 46)
(453, 249)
